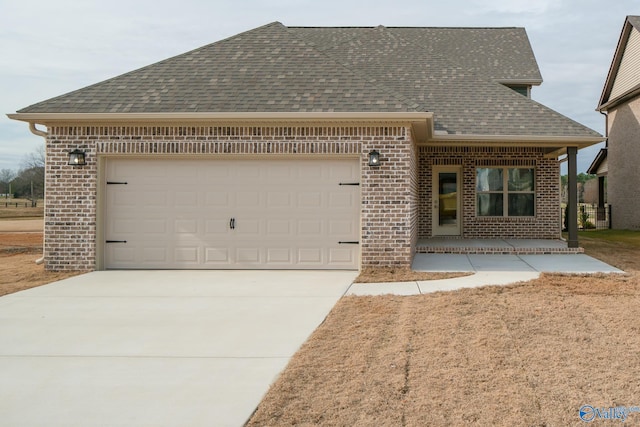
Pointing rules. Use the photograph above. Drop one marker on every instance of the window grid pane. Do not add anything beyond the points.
(505, 191)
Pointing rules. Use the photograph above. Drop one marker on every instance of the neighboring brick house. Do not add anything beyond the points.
(292, 147)
(617, 164)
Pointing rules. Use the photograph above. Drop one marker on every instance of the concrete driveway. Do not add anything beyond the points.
(155, 348)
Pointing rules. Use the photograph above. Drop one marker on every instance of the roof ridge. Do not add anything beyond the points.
(399, 26)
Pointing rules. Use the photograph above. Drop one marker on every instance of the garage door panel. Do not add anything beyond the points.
(247, 255)
(311, 173)
(309, 200)
(278, 227)
(286, 214)
(186, 255)
(154, 255)
(282, 256)
(343, 229)
(310, 256)
(121, 254)
(341, 256)
(247, 228)
(344, 170)
(186, 226)
(125, 199)
(279, 174)
(125, 226)
(310, 228)
(154, 226)
(248, 199)
(342, 200)
(217, 256)
(278, 199)
(216, 198)
(185, 200)
(154, 198)
(216, 227)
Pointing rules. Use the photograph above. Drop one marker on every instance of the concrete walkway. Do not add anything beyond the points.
(155, 348)
(486, 269)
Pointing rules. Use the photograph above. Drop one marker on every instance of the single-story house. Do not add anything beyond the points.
(617, 164)
(305, 148)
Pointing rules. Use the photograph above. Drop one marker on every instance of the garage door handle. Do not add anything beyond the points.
(232, 223)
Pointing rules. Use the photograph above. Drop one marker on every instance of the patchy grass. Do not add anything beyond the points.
(526, 354)
(615, 247)
(627, 237)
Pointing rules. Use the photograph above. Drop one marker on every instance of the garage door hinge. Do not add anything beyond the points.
(116, 241)
(349, 243)
(116, 183)
(349, 183)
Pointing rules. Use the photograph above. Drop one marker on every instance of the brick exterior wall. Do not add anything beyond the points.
(389, 204)
(544, 225)
(396, 196)
(389, 192)
(623, 157)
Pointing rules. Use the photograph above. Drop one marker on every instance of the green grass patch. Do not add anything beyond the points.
(627, 237)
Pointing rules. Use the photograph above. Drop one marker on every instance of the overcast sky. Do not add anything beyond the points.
(50, 47)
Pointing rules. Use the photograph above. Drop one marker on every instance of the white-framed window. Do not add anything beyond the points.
(505, 191)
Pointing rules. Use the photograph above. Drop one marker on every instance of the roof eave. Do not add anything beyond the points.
(630, 94)
(550, 141)
(520, 82)
(421, 121)
(595, 165)
(615, 62)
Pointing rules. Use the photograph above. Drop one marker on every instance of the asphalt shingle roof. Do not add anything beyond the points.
(451, 72)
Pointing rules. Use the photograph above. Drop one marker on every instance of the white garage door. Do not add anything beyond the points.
(213, 214)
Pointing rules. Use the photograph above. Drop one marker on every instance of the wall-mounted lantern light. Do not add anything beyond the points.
(77, 158)
(374, 158)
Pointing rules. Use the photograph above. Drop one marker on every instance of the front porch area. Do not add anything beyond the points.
(448, 245)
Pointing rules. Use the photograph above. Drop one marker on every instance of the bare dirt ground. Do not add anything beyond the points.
(20, 246)
(18, 270)
(526, 354)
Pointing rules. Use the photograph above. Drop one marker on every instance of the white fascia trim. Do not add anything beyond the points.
(231, 116)
(520, 82)
(552, 141)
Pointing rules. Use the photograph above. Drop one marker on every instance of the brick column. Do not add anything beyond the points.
(70, 207)
(389, 202)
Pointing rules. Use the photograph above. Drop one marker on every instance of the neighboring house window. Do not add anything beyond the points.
(505, 191)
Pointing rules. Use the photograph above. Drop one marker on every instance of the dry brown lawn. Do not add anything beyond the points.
(526, 354)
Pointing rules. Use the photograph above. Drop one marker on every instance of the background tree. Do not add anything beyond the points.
(29, 182)
(6, 176)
